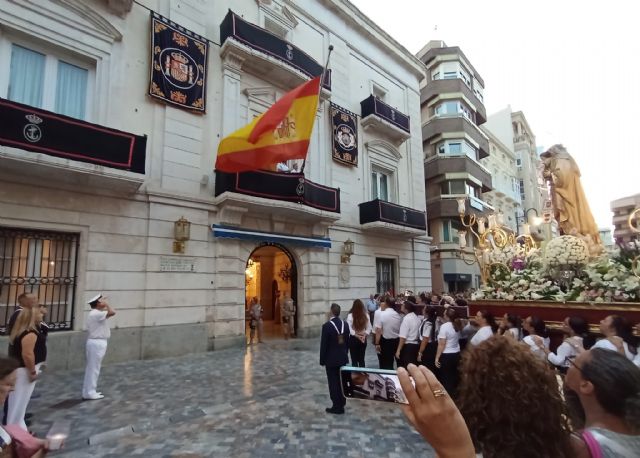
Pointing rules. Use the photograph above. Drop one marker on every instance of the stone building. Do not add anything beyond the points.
(72, 226)
(452, 109)
(505, 195)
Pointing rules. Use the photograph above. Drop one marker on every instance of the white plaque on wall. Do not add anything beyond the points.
(177, 264)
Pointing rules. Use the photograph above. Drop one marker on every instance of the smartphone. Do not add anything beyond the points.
(372, 384)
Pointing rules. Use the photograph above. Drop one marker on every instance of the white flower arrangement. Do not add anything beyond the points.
(566, 250)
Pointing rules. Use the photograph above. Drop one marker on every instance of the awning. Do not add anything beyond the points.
(244, 234)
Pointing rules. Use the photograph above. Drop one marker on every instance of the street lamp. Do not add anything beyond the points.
(527, 222)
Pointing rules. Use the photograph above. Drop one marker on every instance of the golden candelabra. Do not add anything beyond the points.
(635, 263)
(491, 234)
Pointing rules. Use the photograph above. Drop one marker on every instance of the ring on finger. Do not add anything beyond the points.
(439, 393)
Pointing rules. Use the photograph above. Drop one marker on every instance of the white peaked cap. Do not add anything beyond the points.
(93, 299)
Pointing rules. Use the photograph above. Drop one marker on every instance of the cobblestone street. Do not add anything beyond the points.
(267, 400)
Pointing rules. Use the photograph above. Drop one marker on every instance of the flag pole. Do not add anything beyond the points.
(324, 73)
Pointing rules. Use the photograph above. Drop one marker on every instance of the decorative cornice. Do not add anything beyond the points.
(99, 23)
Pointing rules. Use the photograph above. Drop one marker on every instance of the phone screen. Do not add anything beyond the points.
(372, 384)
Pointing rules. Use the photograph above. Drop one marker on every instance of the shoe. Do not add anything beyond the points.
(94, 398)
(335, 411)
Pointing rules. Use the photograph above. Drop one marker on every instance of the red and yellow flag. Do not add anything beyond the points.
(281, 133)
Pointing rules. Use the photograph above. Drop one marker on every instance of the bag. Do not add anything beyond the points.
(592, 444)
(340, 333)
(25, 444)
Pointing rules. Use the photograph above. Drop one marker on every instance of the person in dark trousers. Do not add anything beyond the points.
(334, 354)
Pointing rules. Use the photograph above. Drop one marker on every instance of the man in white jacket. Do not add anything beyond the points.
(97, 338)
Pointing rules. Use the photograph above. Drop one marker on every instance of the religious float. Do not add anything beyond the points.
(553, 276)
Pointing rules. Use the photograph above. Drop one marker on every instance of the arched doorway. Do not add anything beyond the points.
(270, 273)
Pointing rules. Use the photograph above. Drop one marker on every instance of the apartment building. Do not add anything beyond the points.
(621, 209)
(452, 109)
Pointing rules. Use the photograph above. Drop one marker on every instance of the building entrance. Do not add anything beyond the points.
(270, 277)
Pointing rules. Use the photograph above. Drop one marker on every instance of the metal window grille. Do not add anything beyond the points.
(384, 275)
(43, 263)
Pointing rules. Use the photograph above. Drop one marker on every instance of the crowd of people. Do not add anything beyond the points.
(501, 377)
(27, 355)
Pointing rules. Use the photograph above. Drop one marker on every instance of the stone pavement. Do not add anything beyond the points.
(264, 401)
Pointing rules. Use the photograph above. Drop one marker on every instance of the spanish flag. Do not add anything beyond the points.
(279, 134)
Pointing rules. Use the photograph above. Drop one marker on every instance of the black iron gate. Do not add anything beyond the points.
(42, 263)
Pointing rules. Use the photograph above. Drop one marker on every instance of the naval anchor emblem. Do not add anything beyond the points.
(31, 131)
(404, 215)
(289, 52)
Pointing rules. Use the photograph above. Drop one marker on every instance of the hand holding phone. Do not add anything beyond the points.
(434, 414)
(371, 384)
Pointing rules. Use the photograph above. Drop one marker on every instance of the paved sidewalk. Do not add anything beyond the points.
(265, 401)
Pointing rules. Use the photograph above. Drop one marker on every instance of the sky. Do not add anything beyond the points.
(572, 68)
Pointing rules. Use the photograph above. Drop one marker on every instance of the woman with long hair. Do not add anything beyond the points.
(487, 327)
(511, 402)
(577, 331)
(602, 388)
(618, 335)
(511, 326)
(360, 328)
(408, 346)
(29, 347)
(537, 335)
(448, 352)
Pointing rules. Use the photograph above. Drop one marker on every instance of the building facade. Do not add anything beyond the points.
(505, 195)
(452, 110)
(512, 129)
(622, 209)
(72, 226)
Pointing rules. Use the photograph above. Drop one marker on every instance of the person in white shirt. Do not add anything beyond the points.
(618, 336)
(359, 329)
(636, 359)
(537, 338)
(511, 326)
(409, 334)
(577, 331)
(387, 330)
(97, 338)
(256, 322)
(487, 326)
(448, 353)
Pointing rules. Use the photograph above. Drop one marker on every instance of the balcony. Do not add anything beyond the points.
(48, 146)
(446, 206)
(441, 165)
(448, 125)
(454, 86)
(260, 52)
(286, 194)
(386, 218)
(380, 117)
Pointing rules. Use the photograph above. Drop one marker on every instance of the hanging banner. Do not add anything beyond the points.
(345, 135)
(178, 65)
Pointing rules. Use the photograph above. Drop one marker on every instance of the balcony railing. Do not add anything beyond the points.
(267, 43)
(40, 131)
(372, 105)
(289, 187)
(382, 211)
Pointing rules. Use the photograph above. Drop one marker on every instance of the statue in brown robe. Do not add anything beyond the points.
(570, 203)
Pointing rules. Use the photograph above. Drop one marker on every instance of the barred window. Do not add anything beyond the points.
(42, 263)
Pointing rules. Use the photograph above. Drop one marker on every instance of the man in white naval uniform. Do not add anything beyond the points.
(98, 336)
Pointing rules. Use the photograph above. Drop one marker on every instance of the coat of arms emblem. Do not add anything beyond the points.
(289, 52)
(177, 65)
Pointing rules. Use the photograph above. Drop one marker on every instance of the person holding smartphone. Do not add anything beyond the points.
(97, 339)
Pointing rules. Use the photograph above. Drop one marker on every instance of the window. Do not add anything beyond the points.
(450, 228)
(522, 192)
(275, 28)
(453, 108)
(450, 75)
(42, 263)
(378, 91)
(458, 187)
(385, 280)
(48, 82)
(457, 147)
(380, 185)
